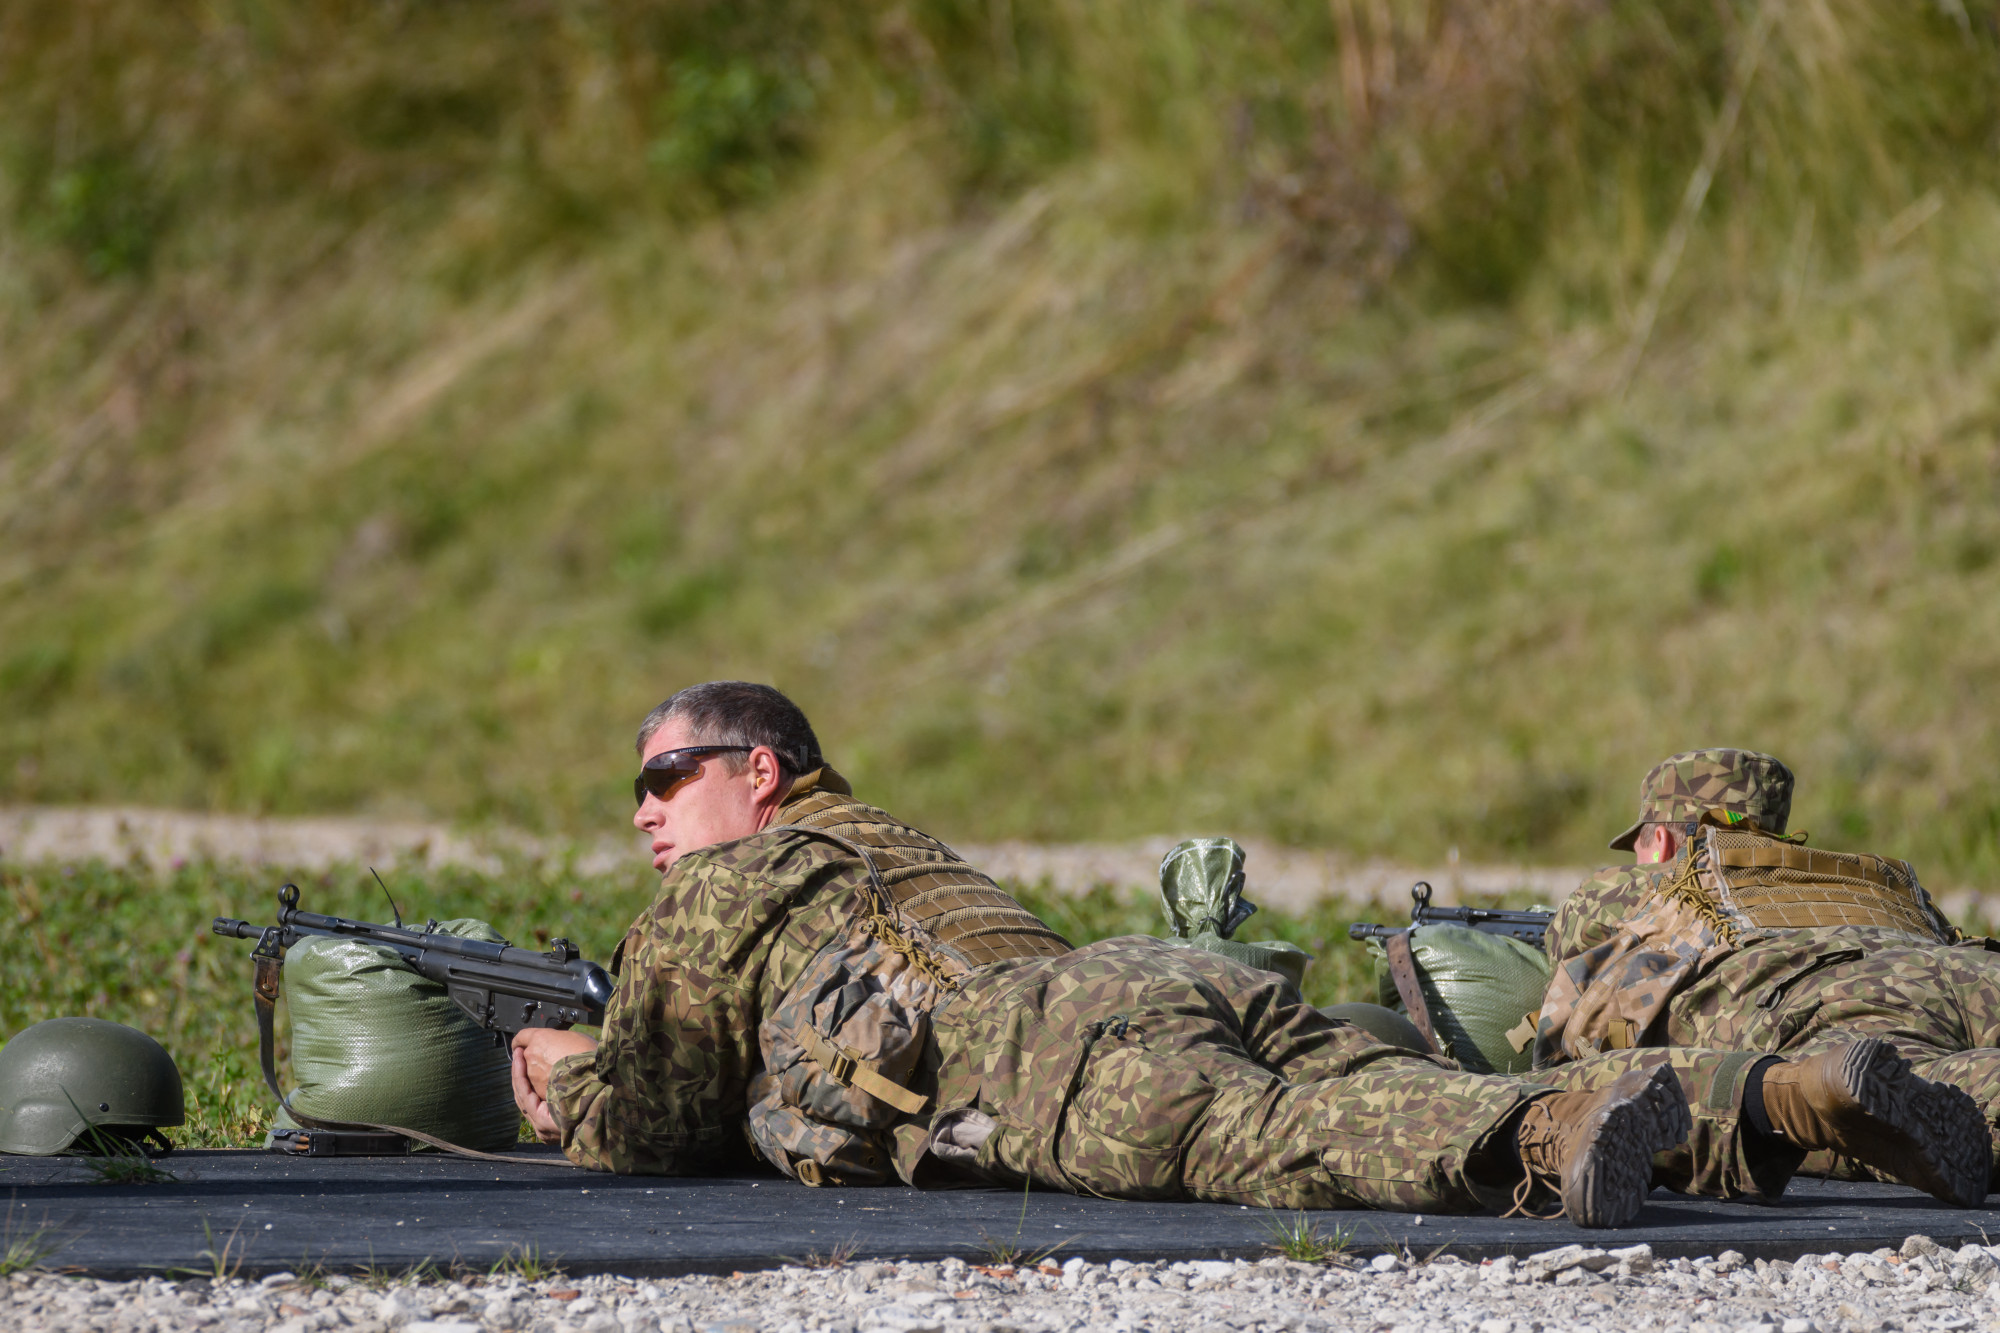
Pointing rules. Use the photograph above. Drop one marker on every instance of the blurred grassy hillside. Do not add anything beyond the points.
(1386, 424)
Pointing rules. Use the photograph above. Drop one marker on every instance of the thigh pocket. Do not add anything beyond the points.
(1127, 1128)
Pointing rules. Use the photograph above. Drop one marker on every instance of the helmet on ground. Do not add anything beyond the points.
(60, 1077)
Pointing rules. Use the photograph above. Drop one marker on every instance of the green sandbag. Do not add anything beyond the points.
(1201, 891)
(1287, 960)
(1479, 987)
(373, 1040)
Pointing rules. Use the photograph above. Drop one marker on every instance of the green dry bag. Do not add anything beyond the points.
(1480, 988)
(1201, 891)
(375, 1041)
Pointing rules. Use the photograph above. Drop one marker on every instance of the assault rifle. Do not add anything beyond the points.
(503, 988)
(1528, 927)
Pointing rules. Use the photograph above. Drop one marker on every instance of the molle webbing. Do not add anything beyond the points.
(958, 905)
(1764, 882)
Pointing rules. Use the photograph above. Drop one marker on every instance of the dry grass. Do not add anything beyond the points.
(1107, 420)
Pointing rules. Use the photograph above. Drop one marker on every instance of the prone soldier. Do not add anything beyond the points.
(828, 988)
(1729, 932)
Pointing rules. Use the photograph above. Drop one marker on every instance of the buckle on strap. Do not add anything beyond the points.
(841, 1068)
(847, 1067)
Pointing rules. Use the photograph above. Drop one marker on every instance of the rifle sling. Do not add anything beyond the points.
(1403, 971)
(264, 988)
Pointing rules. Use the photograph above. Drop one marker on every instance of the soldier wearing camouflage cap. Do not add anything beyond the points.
(839, 993)
(1739, 786)
(1730, 931)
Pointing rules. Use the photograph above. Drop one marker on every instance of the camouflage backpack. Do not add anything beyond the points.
(841, 1049)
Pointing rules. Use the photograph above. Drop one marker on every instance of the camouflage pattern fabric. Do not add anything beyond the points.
(1132, 1069)
(1790, 992)
(734, 926)
(962, 907)
(1737, 785)
(1799, 992)
(1129, 1068)
(841, 1050)
(1615, 994)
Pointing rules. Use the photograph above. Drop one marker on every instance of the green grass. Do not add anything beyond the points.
(527, 1262)
(1107, 420)
(136, 948)
(24, 1247)
(1305, 1240)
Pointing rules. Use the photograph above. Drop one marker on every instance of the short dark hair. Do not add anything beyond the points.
(740, 712)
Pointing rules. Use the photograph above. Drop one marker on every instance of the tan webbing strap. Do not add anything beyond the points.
(1403, 971)
(849, 1070)
(1619, 1036)
(264, 989)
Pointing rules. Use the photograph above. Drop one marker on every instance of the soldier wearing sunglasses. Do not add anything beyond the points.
(1126, 1068)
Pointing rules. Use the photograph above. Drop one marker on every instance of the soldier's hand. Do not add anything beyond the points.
(536, 1051)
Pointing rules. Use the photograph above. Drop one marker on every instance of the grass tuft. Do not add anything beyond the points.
(837, 1257)
(225, 1260)
(527, 1262)
(1301, 1237)
(1012, 1251)
(23, 1248)
(115, 1160)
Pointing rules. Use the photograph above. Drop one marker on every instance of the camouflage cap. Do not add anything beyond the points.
(1735, 782)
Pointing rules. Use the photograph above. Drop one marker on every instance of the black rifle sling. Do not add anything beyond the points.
(265, 989)
(1403, 971)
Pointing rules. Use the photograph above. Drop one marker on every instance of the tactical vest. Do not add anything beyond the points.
(842, 1049)
(1739, 878)
(930, 883)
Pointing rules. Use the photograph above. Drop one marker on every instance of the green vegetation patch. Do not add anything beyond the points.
(135, 948)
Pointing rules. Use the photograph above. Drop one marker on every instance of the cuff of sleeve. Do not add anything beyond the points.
(566, 1077)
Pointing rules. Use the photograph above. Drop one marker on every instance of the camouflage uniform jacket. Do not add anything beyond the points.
(734, 926)
(1624, 951)
(1620, 953)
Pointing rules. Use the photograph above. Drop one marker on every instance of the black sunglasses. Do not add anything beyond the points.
(663, 774)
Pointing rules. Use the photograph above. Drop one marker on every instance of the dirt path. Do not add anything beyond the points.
(1280, 877)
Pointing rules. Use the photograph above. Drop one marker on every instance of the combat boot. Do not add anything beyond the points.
(1595, 1149)
(1864, 1101)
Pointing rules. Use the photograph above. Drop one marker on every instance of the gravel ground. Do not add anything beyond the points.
(1573, 1288)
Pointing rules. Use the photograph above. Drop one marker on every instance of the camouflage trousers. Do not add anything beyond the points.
(1938, 1005)
(1132, 1069)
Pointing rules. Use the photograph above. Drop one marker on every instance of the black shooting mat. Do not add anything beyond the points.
(345, 1213)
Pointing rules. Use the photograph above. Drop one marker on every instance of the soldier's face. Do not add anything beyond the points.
(715, 806)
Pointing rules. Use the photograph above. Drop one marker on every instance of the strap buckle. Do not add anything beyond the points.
(841, 1068)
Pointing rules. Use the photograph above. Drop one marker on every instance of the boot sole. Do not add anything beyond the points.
(1608, 1178)
(1947, 1146)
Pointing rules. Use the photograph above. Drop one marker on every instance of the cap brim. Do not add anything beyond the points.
(1625, 841)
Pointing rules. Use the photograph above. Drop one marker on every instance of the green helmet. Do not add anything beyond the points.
(60, 1076)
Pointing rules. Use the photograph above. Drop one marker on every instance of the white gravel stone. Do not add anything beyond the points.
(1581, 1288)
